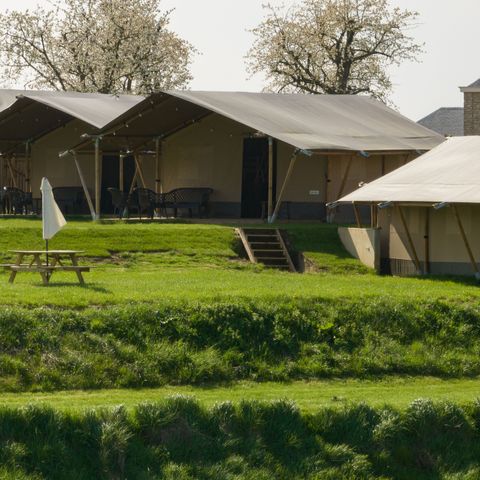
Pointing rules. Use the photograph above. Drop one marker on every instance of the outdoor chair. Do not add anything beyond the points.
(189, 198)
(16, 201)
(119, 201)
(70, 199)
(143, 200)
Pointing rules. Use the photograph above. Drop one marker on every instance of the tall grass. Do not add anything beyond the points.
(178, 439)
(203, 343)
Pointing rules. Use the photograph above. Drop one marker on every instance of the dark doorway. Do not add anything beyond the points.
(255, 177)
(111, 178)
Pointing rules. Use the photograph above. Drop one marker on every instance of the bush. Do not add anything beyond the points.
(179, 439)
(201, 343)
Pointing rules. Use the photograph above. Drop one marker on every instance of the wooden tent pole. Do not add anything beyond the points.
(465, 241)
(139, 170)
(98, 181)
(121, 177)
(85, 188)
(427, 241)
(293, 160)
(12, 173)
(331, 217)
(28, 166)
(410, 240)
(357, 215)
(270, 179)
(345, 178)
(158, 171)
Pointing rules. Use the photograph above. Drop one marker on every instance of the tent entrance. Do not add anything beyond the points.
(255, 177)
(111, 178)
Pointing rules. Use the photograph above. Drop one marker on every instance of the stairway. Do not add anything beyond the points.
(266, 246)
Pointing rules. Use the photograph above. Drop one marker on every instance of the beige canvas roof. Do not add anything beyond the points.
(27, 114)
(320, 122)
(449, 173)
(309, 122)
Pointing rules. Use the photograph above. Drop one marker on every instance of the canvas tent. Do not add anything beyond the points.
(203, 139)
(431, 209)
(27, 117)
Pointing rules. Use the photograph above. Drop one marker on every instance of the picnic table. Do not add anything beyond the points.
(38, 265)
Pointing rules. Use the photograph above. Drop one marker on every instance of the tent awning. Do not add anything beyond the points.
(308, 122)
(449, 173)
(26, 115)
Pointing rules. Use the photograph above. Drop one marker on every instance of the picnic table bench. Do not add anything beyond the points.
(37, 265)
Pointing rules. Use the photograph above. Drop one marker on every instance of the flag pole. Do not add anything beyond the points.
(46, 242)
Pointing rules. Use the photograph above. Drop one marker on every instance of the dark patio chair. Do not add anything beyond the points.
(69, 199)
(119, 201)
(16, 200)
(143, 200)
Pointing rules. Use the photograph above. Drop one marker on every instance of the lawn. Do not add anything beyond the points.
(168, 262)
(174, 308)
(397, 392)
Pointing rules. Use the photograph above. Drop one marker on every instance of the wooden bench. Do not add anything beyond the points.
(46, 271)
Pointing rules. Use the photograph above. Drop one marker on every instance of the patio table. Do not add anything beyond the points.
(37, 265)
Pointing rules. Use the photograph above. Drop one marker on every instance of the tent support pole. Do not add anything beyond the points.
(410, 240)
(139, 170)
(84, 186)
(12, 173)
(427, 241)
(345, 177)
(270, 179)
(342, 186)
(357, 215)
(466, 242)
(132, 186)
(158, 167)
(293, 160)
(28, 166)
(98, 183)
(121, 178)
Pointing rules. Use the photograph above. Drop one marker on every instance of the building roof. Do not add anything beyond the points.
(310, 122)
(28, 114)
(473, 87)
(448, 173)
(447, 121)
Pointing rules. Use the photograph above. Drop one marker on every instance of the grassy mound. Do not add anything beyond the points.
(179, 440)
(211, 343)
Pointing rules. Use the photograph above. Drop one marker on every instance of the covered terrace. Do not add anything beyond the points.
(317, 148)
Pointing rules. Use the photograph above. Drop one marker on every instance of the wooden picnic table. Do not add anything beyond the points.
(56, 263)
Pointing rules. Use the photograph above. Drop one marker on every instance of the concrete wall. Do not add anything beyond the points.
(447, 251)
(362, 243)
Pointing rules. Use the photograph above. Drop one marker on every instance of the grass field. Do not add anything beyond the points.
(168, 262)
(310, 397)
(174, 309)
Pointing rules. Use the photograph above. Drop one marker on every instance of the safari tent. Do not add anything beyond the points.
(271, 155)
(36, 125)
(429, 212)
(280, 155)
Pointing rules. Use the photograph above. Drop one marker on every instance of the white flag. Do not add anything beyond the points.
(52, 217)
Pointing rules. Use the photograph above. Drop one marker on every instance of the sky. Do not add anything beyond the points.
(219, 29)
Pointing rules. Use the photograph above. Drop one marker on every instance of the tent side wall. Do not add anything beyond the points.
(210, 154)
(446, 249)
(61, 172)
(361, 169)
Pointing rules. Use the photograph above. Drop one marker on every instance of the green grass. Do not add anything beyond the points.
(397, 392)
(145, 262)
(180, 439)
